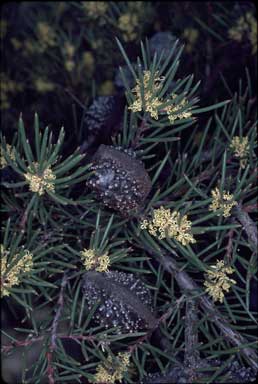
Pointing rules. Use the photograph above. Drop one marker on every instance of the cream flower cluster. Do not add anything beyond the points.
(240, 147)
(245, 26)
(10, 151)
(217, 282)
(95, 262)
(128, 23)
(95, 9)
(222, 202)
(11, 277)
(172, 224)
(151, 103)
(40, 183)
(112, 370)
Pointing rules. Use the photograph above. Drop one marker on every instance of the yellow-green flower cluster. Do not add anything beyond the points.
(172, 224)
(240, 147)
(112, 370)
(11, 277)
(191, 36)
(92, 261)
(10, 151)
(40, 182)
(128, 23)
(43, 86)
(95, 9)
(151, 103)
(223, 202)
(106, 88)
(8, 88)
(46, 35)
(69, 51)
(217, 282)
(245, 26)
(175, 111)
(88, 63)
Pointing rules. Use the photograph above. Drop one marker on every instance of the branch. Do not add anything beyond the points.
(248, 225)
(185, 282)
(60, 303)
(192, 355)
(20, 343)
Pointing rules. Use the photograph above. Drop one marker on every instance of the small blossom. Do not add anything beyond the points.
(95, 262)
(191, 36)
(106, 88)
(69, 65)
(43, 85)
(112, 370)
(222, 202)
(40, 182)
(10, 151)
(11, 277)
(95, 9)
(166, 223)
(128, 23)
(150, 103)
(46, 35)
(174, 112)
(69, 49)
(246, 26)
(217, 282)
(240, 147)
(88, 62)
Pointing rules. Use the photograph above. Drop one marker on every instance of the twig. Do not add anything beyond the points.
(192, 355)
(60, 303)
(140, 130)
(25, 343)
(20, 343)
(229, 245)
(248, 225)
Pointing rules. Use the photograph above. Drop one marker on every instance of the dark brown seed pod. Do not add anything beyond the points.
(124, 301)
(119, 179)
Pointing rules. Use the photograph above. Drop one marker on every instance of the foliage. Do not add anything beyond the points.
(195, 226)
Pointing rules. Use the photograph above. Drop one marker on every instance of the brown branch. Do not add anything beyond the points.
(248, 225)
(25, 343)
(229, 245)
(60, 303)
(192, 355)
(139, 132)
(20, 343)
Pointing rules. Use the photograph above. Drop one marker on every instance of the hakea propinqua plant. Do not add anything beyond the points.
(141, 254)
